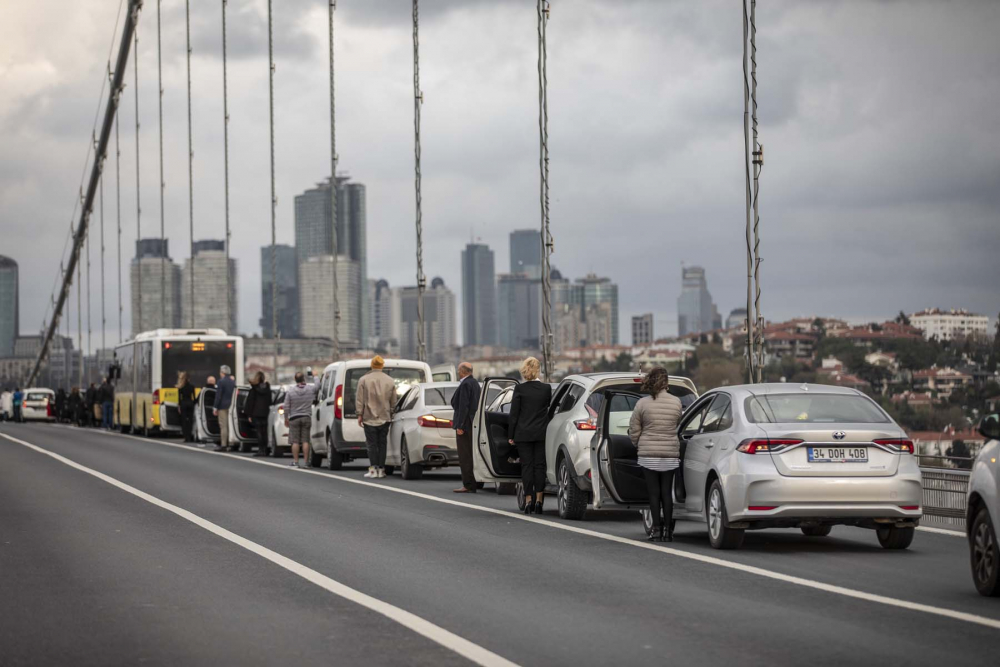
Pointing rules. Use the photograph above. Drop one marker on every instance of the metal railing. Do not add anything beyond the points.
(945, 491)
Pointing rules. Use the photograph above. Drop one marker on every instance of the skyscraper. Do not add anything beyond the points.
(526, 252)
(479, 295)
(9, 326)
(208, 268)
(316, 299)
(519, 308)
(642, 329)
(288, 291)
(313, 234)
(381, 326)
(695, 311)
(601, 291)
(439, 320)
(151, 307)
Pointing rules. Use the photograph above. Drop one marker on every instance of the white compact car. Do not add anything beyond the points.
(983, 511)
(38, 405)
(276, 422)
(336, 433)
(421, 435)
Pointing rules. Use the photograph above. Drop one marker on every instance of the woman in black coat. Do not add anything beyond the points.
(257, 408)
(185, 405)
(529, 418)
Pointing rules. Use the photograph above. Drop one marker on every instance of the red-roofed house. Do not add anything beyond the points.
(943, 381)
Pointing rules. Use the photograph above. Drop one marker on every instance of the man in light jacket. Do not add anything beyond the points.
(224, 390)
(376, 396)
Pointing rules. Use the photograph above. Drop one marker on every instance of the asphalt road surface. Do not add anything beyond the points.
(118, 550)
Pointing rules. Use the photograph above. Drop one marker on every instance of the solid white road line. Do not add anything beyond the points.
(941, 531)
(435, 633)
(710, 560)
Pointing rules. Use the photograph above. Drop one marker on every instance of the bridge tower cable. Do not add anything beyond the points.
(543, 165)
(79, 322)
(137, 297)
(104, 318)
(163, 185)
(225, 150)
(79, 232)
(333, 191)
(274, 197)
(418, 100)
(187, 28)
(118, 217)
(86, 251)
(758, 164)
(750, 323)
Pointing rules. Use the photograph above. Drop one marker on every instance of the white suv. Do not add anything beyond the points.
(336, 433)
(576, 403)
(983, 515)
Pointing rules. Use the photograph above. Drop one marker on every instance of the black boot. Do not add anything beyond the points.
(539, 506)
(667, 533)
(655, 534)
(529, 506)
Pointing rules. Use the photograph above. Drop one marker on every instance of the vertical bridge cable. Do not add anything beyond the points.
(225, 150)
(418, 99)
(750, 352)
(138, 204)
(79, 323)
(187, 27)
(86, 250)
(118, 212)
(758, 163)
(274, 198)
(543, 166)
(104, 318)
(333, 195)
(163, 257)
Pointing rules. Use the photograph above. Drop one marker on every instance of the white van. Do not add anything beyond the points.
(336, 433)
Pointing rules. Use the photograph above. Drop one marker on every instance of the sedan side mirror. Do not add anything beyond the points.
(989, 427)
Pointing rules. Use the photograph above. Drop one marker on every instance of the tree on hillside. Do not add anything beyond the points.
(718, 372)
(623, 362)
(903, 319)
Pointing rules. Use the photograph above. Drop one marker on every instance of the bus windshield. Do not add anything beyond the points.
(199, 359)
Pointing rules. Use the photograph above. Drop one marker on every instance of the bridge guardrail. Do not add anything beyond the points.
(945, 489)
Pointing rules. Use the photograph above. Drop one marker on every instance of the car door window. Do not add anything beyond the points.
(716, 416)
(594, 403)
(557, 396)
(620, 411)
(693, 424)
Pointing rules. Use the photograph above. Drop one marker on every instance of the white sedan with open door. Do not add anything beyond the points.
(421, 434)
(776, 456)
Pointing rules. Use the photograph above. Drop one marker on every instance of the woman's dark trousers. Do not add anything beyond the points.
(660, 485)
(532, 455)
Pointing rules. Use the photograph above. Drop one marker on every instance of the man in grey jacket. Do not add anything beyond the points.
(299, 400)
(376, 396)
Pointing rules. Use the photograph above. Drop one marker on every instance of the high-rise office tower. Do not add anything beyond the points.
(381, 325)
(208, 269)
(439, 320)
(642, 329)
(10, 328)
(519, 308)
(479, 295)
(601, 291)
(695, 311)
(314, 234)
(159, 308)
(316, 299)
(287, 293)
(526, 252)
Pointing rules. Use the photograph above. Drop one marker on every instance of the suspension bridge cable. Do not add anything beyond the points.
(86, 246)
(333, 193)
(104, 319)
(137, 316)
(750, 351)
(225, 150)
(163, 185)
(187, 28)
(418, 99)
(758, 163)
(545, 237)
(79, 323)
(274, 197)
(118, 217)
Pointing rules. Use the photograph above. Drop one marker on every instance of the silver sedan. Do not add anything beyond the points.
(421, 435)
(781, 456)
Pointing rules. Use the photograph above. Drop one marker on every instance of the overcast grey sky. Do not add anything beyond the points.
(880, 192)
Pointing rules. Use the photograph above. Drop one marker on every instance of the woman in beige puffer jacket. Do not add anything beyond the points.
(653, 429)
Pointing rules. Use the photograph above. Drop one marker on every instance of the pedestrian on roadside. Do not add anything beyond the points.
(299, 400)
(224, 390)
(107, 398)
(90, 401)
(210, 382)
(465, 401)
(185, 405)
(18, 402)
(653, 430)
(529, 419)
(6, 405)
(257, 409)
(375, 398)
(75, 407)
(60, 407)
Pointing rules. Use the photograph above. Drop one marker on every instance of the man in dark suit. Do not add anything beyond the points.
(465, 401)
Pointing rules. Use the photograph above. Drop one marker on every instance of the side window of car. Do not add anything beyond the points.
(558, 394)
(570, 398)
(411, 398)
(505, 401)
(693, 424)
(594, 403)
(716, 416)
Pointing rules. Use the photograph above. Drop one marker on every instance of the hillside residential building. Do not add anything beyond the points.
(950, 324)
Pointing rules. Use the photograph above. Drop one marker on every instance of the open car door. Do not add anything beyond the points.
(206, 424)
(489, 433)
(614, 458)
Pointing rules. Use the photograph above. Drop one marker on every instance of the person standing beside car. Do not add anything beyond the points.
(257, 408)
(224, 390)
(529, 419)
(653, 430)
(7, 405)
(107, 397)
(376, 395)
(185, 405)
(465, 402)
(299, 400)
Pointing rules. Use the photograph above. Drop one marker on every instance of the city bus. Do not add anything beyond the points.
(146, 370)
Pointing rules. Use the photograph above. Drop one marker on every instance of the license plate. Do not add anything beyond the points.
(838, 454)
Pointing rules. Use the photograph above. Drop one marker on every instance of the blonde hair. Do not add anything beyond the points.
(530, 368)
(182, 379)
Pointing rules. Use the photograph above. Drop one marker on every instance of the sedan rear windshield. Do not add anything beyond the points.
(813, 409)
(438, 396)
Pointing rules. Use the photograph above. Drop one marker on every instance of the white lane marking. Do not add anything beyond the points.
(711, 560)
(435, 633)
(941, 531)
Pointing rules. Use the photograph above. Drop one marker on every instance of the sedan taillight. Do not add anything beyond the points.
(898, 445)
(766, 445)
(430, 421)
(585, 424)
